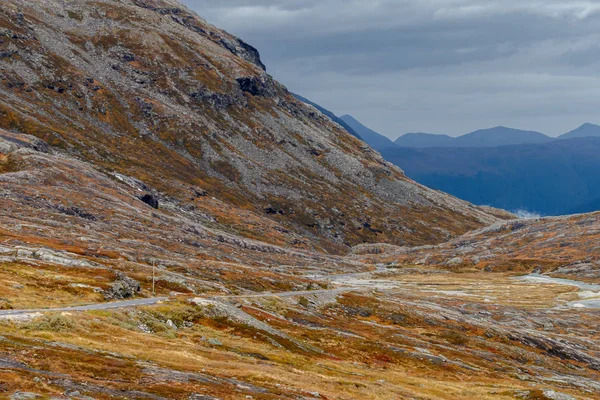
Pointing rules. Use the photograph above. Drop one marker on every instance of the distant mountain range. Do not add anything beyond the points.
(498, 136)
(501, 167)
(492, 137)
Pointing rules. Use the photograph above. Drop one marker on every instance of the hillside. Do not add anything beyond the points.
(186, 108)
(374, 139)
(549, 179)
(330, 114)
(557, 246)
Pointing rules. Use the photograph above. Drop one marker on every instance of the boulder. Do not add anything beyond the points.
(123, 287)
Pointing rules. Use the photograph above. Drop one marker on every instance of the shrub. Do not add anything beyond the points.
(52, 323)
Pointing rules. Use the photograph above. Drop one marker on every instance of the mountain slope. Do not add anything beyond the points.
(585, 130)
(550, 179)
(328, 113)
(147, 89)
(373, 139)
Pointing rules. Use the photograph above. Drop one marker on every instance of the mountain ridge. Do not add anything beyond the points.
(491, 137)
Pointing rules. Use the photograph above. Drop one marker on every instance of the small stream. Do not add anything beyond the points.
(589, 291)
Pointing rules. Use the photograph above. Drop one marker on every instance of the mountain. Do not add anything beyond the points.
(585, 130)
(548, 178)
(500, 136)
(423, 140)
(372, 138)
(328, 113)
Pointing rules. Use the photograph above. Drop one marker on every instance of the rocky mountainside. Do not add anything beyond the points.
(147, 89)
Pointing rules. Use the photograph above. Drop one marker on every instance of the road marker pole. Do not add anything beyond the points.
(153, 274)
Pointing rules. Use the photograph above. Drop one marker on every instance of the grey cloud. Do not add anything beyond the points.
(446, 66)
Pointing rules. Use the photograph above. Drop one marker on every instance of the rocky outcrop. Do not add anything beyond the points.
(10, 142)
(123, 287)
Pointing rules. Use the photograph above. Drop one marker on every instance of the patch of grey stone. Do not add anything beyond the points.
(552, 395)
(234, 314)
(158, 374)
(70, 385)
(25, 396)
(55, 257)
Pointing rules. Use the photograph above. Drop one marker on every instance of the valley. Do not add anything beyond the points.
(402, 331)
(175, 224)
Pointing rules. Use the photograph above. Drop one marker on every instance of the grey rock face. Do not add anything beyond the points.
(151, 200)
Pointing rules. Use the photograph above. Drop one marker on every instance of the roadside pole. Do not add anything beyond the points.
(153, 275)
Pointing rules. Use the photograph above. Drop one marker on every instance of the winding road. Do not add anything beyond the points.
(156, 300)
(91, 307)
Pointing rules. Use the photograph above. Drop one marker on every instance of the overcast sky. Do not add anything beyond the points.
(440, 66)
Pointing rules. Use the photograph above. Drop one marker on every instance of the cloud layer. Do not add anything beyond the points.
(443, 66)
